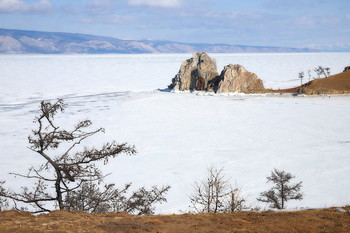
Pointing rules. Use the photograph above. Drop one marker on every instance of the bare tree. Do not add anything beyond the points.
(209, 192)
(91, 198)
(301, 76)
(69, 179)
(214, 194)
(282, 191)
(318, 71)
(309, 74)
(142, 201)
(325, 71)
(235, 201)
(3, 202)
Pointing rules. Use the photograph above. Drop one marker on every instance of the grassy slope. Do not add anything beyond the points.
(326, 220)
(336, 84)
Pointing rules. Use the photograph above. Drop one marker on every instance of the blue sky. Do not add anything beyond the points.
(287, 23)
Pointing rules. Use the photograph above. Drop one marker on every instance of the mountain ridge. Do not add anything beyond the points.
(13, 41)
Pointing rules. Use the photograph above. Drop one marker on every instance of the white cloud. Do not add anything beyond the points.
(108, 19)
(156, 3)
(18, 6)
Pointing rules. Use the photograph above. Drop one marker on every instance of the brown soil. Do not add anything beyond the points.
(326, 220)
(336, 84)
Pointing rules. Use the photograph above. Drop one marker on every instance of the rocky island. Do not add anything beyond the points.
(199, 73)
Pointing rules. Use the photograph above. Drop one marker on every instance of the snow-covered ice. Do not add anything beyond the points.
(179, 135)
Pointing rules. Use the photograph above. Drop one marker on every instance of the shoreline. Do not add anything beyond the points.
(263, 94)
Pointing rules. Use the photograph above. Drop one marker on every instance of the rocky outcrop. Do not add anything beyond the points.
(346, 68)
(195, 73)
(200, 73)
(235, 78)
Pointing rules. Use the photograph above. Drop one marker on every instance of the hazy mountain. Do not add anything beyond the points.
(21, 41)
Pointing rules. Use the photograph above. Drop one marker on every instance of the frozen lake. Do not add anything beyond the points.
(179, 135)
(49, 76)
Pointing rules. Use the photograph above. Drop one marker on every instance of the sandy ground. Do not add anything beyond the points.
(326, 220)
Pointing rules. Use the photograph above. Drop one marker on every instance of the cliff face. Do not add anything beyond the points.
(195, 73)
(235, 78)
(200, 73)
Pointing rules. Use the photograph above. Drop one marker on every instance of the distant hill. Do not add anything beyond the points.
(21, 42)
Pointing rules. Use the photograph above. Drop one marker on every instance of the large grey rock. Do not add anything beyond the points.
(200, 73)
(346, 68)
(235, 78)
(195, 73)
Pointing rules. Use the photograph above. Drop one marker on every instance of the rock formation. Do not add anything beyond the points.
(346, 68)
(235, 78)
(195, 73)
(200, 73)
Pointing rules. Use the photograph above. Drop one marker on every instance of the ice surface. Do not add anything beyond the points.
(33, 77)
(179, 135)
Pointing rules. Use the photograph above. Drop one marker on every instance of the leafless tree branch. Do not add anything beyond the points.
(72, 180)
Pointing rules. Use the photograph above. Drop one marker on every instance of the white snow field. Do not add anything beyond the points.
(179, 135)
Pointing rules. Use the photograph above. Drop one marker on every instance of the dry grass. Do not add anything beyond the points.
(326, 220)
(336, 84)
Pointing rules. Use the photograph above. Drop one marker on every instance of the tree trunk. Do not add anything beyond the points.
(58, 190)
(282, 196)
